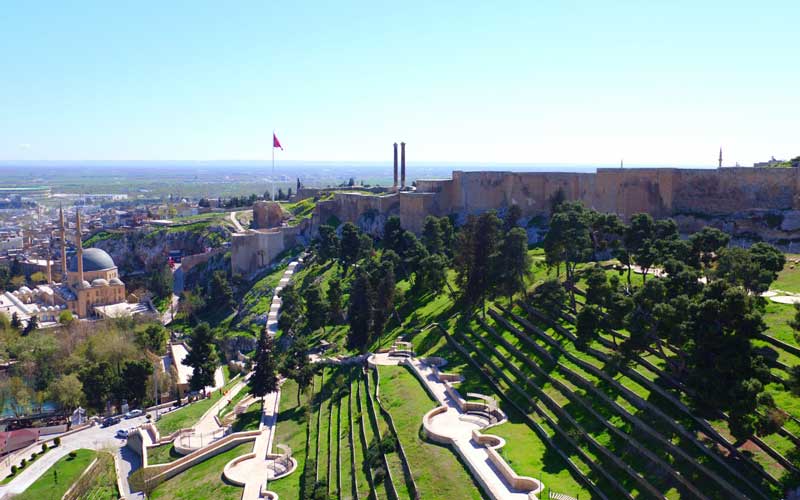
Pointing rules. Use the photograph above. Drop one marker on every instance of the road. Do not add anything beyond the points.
(236, 222)
(177, 289)
(95, 438)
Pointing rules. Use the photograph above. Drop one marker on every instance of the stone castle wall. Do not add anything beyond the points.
(690, 195)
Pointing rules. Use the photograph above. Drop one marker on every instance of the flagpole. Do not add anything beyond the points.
(273, 165)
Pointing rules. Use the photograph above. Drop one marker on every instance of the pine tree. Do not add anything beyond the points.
(265, 376)
(202, 357)
(316, 309)
(334, 297)
(432, 235)
(350, 245)
(360, 312)
(384, 285)
(515, 263)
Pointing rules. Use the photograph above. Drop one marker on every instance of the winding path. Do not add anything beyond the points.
(450, 422)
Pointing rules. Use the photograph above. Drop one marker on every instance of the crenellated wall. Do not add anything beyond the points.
(736, 197)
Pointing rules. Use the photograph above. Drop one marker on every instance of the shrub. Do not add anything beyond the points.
(73, 454)
(57, 442)
(44, 447)
(33, 456)
(389, 443)
(13, 469)
(379, 475)
(23, 463)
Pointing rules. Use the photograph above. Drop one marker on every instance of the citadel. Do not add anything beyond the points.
(751, 204)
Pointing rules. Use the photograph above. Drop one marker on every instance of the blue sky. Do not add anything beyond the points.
(534, 81)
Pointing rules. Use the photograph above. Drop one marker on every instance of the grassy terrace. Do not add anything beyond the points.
(292, 430)
(686, 455)
(368, 434)
(407, 401)
(599, 445)
(189, 415)
(104, 485)
(204, 480)
(57, 479)
(381, 427)
(359, 472)
(162, 454)
(690, 423)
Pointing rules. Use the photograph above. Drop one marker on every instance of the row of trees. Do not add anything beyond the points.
(700, 312)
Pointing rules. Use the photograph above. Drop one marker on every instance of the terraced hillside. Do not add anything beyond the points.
(351, 445)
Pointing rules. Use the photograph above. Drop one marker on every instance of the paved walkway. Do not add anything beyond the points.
(451, 425)
(257, 470)
(275, 307)
(236, 222)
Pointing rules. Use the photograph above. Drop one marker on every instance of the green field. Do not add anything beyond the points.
(57, 479)
(204, 480)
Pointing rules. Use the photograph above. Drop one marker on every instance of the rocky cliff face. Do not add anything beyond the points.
(141, 249)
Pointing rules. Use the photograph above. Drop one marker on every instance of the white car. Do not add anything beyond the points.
(122, 433)
(133, 414)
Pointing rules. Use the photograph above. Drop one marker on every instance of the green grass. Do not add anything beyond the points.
(104, 485)
(162, 454)
(250, 419)
(291, 430)
(188, 415)
(407, 401)
(57, 479)
(204, 480)
(360, 475)
(788, 279)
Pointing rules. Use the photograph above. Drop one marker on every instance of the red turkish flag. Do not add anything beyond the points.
(275, 142)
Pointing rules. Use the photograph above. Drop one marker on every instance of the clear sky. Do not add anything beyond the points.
(531, 81)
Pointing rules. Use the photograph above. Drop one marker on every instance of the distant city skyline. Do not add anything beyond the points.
(510, 83)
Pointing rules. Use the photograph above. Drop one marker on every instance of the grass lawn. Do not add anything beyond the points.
(291, 430)
(204, 480)
(163, 454)
(104, 485)
(57, 479)
(407, 401)
(189, 414)
(250, 419)
(788, 279)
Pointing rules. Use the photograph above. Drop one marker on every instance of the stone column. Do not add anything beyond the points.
(402, 165)
(395, 167)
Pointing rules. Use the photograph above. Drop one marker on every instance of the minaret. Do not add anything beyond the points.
(79, 245)
(63, 246)
(720, 157)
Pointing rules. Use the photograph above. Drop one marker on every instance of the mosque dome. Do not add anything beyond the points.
(94, 259)
(84, 284)
(115, 281)
(99, 282)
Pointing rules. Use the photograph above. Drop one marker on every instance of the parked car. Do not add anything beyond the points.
(122, 433)
(109, 421)
(133, 414)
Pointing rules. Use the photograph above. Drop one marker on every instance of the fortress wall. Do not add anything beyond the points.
(414, 207)
(630, 191)
(729, 190)
(475, 192)
(256, 249)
